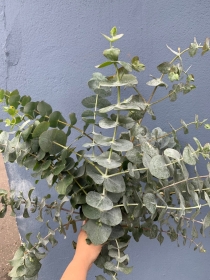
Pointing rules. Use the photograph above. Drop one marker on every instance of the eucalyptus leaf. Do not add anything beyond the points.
(29, 162)
(122, 145)
(29, 109)
(126, 80)
(106, 161)
(4, 136)
(117, 232)
(164, 67)
(90, 102)
(156, 82)
(193, 48)
(88, 113)
(91, 212)
(206, 221)
(25, 99)
(147, 148)
(111, 266)
(26, 133)
(107, 123)
(102, 140)
(14, 98)
(172, 95)
(52, 141)
(58, 168)
(173, 154)
(107, 109)
(104, 64)
(57, 120)
(205, 46)
(160, 238)
(146, 159)
(134, 155)
(73, 118)
(115, 184)
(103, 91)
(136, 65)
(126, 65)
(150, 202)
(44, 108)
(97, 232)
(124, 121)
(112, 54)
(94, 174)
(188, 157)
(99, 201)
(63, 186)
(39, 129)
(158, 167)
(205, 195)
(112, 217)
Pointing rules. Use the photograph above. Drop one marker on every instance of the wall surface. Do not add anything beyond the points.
(49, 49)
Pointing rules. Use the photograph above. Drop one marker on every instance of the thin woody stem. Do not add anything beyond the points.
(182, 181)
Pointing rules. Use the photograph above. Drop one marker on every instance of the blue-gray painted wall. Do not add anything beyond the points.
(49, 49)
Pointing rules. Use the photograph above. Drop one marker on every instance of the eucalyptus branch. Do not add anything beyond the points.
(135, 88)
(67, 124)
(134, 191)
(161, 77)
(165, 207)
(118, 251)
(182, 181)
(182, 208)
(193, 221)
(167, 134)
(198, 245)
(153, 92)
(117, 120)
(89, 161)
(76, 128)
(126, 171)
(161, 99)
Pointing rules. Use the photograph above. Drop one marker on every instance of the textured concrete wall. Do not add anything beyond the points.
(49, 49)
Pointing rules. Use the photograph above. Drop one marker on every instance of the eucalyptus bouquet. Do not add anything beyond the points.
(126, 181)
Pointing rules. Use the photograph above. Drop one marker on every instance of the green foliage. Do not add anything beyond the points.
(132, 183)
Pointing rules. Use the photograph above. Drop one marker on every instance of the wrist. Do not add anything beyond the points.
(78, 261)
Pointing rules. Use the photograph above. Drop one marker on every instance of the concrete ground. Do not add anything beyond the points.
(9, 236)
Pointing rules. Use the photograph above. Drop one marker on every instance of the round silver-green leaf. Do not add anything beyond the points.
(115, 184)
(172, 153)
(107, 123)
(99, 201)
(94, 174)
(97, 232)
(150, 202)
(188, 157)
(158, 167)
(57, 120)
(91, 212)
(112, 217)
(122, 145)
(40, 128)
(52, 141)
(44, 108)
(105, 161)
(63, 186)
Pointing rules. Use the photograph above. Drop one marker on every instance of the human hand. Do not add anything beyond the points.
(83, 259)
(86, 254)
